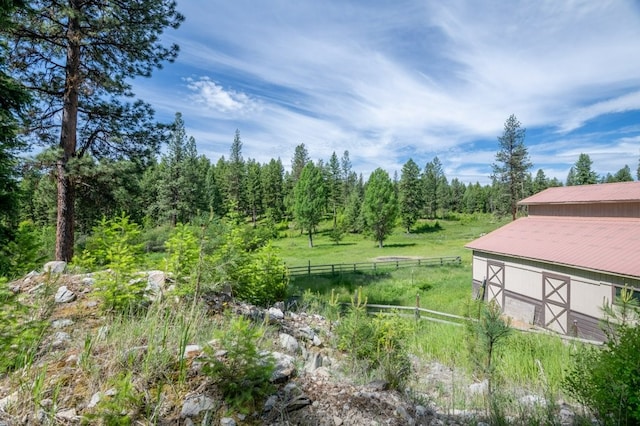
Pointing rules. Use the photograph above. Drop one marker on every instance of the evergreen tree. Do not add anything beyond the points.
(78, 60)
(334, 186)
(380, 206)
(353, 213)
(410, 194)
(571, 177)
(540, 183)
(433, 179)
(299, 161)
(310, 198)
(273, 189)
(254, 190)
(349, 177)
(583, 173)
(178, 178)
(12, 101)
(512, 165)
(236, 175)
(456, 194)
(213, 192)
(623, 175)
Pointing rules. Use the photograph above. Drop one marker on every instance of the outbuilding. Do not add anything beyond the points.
(574, 251)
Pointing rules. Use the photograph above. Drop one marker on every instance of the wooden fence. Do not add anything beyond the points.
(382, 265)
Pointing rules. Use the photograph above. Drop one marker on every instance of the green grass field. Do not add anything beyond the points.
(444, 288)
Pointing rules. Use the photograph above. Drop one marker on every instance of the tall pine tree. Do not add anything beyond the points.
(512, 166)
(411, 198)
(380, 206)
(78, 60)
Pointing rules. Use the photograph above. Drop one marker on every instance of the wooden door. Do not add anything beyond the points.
(495, 282)
(556, 302)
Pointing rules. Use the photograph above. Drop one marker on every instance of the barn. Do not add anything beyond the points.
(574, 251)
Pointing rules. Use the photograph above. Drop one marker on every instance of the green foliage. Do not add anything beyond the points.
(20, 330)
(485, 336)
(243, 373)
(411, 194)
(380, 206)
(121, 407)
(379, 342)
(23, 253)
(310, 199)
(114, 246)
(183, 252)
(608, 379)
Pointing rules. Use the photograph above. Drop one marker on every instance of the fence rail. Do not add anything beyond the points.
(384, 265)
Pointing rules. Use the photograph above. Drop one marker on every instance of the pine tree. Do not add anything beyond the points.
(583, 173)
(540, 183)
(334, 186)
(512, 165)
(236, 175)
(380, 206)
(254, 190)
(623, 175)
(78, 60)
(178, 178)
(434, 180)
(410, 194)
(310, 199)
(456, 193)
(273, 189)
(571, 177)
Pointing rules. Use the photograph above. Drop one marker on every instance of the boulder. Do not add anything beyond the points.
(64, 295)
(196, 404)
(55, 267)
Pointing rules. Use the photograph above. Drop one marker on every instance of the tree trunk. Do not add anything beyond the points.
(66, 193)
(310, 238)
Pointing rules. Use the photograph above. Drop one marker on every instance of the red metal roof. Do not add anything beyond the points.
(603, 244)
(603, 192)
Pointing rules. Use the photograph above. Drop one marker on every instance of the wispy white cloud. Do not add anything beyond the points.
(406, 78)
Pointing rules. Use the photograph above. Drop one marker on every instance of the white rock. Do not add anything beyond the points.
(476, 388)
(64, 295)
(8, 401)
(284, 367)
(227, 421)
(69, 414)
(289, 343)
(61, 323)
(95, 399)
(317, 341)
(275, 314)
(156, 281)
(533, 400)
(59, 339)
(196, 404)
(55, 267)
(192, 351)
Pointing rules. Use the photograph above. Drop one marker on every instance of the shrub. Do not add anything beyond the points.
(608, 379)
(378, 342)
(243, 374)
(183, 253)
(23, 253)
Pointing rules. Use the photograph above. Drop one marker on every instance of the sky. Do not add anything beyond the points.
(400, 79)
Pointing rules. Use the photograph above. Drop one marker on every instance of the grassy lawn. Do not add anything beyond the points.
(444, 288)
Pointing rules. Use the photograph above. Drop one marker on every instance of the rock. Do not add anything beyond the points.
(60, 339)
(95, 399)
(91, 304)
(275, 314)
(476, 388)
(196, 404)
(316, 341)
(298, 402)
(192, 351)
(307, 332)
(270, 403)
(8, 401)
(314, 361)
(402, 412)
(284, 367)
(88, 281)
(156, 282)
(61, 323)
(422, 411)
(289, 343)
(378, 385)
(533, 400)
(567, 416)
(55, 267)
(69, 414)
(227, 421)
(337, 421)
(64, 295)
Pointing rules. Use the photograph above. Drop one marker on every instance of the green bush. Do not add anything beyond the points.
(23, 253)
(243, 373)
(183, 252)
(607, 379)
(379, 342)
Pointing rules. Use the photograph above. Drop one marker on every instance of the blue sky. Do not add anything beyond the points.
(389, 80)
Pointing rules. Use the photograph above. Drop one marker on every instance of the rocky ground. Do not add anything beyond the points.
(313, 387)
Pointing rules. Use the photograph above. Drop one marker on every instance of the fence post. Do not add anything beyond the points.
(309, 268)
(374, 266)
(333, 271)
(417, 307)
